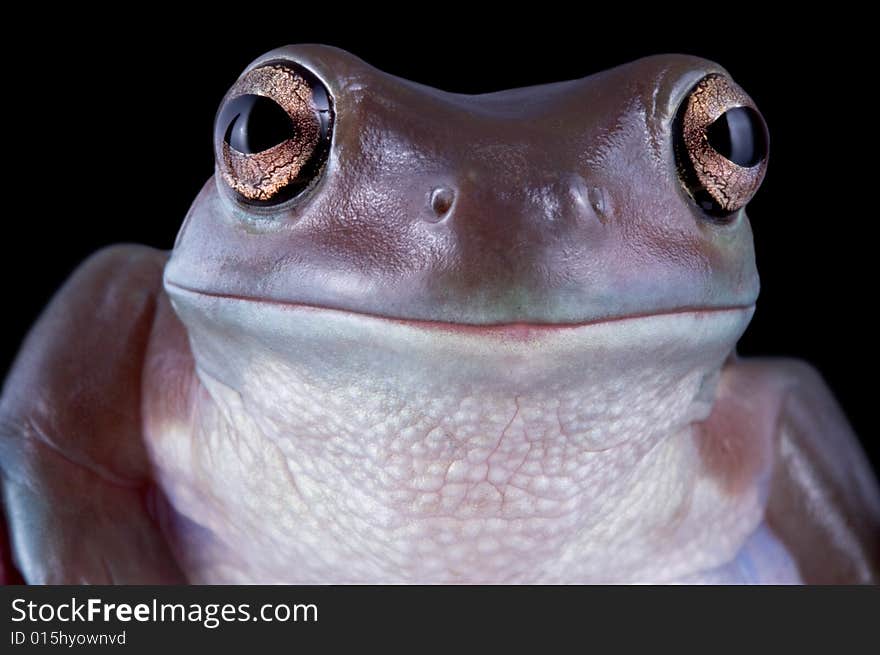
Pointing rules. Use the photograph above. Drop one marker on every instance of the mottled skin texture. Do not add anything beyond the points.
(533, 383)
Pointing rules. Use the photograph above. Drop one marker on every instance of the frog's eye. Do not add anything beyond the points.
(721, 146)
(272, 133)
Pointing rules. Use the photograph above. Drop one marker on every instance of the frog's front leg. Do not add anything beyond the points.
(824, 498)
(75, 475)
(776, 422)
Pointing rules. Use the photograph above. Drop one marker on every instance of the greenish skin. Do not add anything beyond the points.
(536, 384)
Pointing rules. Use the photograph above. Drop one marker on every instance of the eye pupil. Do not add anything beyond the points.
(738, 135)
(256, 123)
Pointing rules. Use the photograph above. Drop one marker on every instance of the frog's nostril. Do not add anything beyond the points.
(441, 201)
(598, 198)
(588, 200)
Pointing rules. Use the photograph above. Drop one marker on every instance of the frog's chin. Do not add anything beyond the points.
(231, 337)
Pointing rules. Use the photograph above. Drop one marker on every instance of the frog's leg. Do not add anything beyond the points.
(824, 498)
(76, 479)
(778, 417)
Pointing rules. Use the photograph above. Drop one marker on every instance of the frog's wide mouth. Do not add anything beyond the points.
(515, 330)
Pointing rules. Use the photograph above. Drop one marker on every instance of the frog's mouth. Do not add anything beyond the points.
(509, 330)
(244, 340)
(523, 330)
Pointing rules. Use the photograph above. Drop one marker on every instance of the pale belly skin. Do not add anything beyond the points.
(411, 336)
(447, 456)
(443, 457)
(477, 465)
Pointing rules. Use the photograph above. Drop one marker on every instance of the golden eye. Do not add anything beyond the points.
(721, 146)
(272, 133)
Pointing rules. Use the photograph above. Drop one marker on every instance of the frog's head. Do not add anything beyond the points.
(351, 195)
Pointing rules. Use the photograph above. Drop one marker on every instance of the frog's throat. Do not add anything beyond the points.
(559, 445)
(270, 349)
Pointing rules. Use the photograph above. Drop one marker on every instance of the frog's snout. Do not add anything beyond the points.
(545, 208)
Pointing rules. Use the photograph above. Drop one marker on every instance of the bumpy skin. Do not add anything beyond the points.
(536, 385)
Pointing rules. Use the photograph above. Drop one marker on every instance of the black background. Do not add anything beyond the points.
(109, 140)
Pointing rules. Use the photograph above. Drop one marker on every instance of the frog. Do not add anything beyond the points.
(406, 335)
